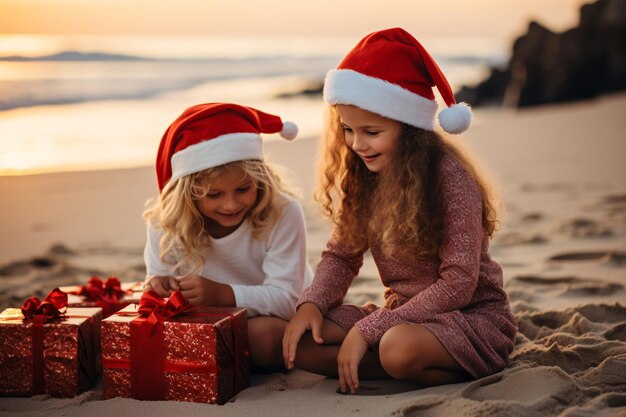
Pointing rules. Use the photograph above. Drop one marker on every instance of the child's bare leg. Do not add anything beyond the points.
(412, 352)
(322, 359)
(265, 336)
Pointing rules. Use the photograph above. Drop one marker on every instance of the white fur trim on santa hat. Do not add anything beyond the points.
(380, 97)
(215, 152)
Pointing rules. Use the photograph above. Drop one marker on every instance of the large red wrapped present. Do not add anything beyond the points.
(111, 295)
(47, 348)
(170, 350)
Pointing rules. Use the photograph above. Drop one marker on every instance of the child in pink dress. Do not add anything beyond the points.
(392, 185)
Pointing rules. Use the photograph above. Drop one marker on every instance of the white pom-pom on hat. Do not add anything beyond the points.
(456, 119)
(289, 131)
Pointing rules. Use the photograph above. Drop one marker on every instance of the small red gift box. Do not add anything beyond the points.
(46, 348)
(172, 351)
(110, 295)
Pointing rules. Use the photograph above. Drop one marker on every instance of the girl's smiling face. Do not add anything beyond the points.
(230, 198)
(372, 137)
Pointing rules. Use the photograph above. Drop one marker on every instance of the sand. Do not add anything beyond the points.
(561, 173)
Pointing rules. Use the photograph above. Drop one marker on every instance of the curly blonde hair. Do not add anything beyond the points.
(404, 211)
(176, 212)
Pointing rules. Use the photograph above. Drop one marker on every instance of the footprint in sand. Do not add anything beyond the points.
(532, 217)
(614, 208)
(566, 286)
(517, 238)
(583, 227)
(556, 386)
(615, 258)
(512, 392)
(614, 201)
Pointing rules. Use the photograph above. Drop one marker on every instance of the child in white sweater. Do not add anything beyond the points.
(225, 231)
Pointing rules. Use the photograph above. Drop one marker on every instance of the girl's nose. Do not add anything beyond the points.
(230, 203)
(358, 145)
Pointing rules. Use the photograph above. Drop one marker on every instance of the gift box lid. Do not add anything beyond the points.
(73, 316)
(205, 315)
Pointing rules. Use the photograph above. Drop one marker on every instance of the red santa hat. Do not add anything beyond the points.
(390, 73)
(214, 134)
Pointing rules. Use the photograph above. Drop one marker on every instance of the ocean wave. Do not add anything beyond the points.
(52, 92)
(52, 82)
(78, 56)
(73, 56)
(75, 77)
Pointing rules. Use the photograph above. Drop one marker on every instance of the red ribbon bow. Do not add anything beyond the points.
(105, 294)
(157, 310)
(46, 310)
(97, 290)
(152, 303)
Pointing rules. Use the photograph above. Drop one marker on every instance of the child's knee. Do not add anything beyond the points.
(265, 337)
(398, 358)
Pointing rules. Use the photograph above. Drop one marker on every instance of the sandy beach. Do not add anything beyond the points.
(561, 174)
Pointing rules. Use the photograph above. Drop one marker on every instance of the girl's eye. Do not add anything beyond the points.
(372, 132)
(243, 189)
(346, 129)
(213, 195)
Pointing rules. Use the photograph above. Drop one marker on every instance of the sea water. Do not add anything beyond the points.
(98, 102)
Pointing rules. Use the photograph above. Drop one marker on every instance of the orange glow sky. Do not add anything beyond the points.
(498, 18)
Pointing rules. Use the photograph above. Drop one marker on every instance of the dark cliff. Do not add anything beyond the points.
(547, 67)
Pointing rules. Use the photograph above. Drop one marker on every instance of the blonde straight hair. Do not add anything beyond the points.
(176, 213)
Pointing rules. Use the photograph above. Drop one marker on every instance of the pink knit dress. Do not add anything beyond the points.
(460, 298)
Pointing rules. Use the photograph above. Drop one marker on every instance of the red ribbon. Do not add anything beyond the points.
(48, 309)
(106, 294)
(40, 312)
(96, 289)
(147, 350)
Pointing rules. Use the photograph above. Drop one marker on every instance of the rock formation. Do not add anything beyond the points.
(547, 67)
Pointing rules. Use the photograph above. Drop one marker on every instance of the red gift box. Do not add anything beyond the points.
(110, 295)
(172, 351)
(46, 348)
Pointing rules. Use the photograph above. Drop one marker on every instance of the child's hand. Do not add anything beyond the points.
(200, 291)
(164, 285)
(349, 357)
(308, 317)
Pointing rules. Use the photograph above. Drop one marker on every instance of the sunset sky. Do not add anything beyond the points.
(497, 18)
(39, 135)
